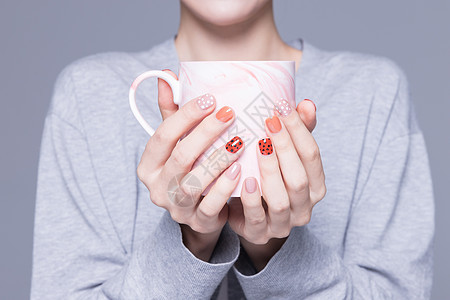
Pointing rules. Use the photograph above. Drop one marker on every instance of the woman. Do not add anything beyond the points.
(97, 235)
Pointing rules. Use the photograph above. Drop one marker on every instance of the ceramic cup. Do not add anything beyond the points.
(250, 88)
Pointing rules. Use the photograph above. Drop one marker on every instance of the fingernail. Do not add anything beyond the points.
(233, 171)
(224, 114)
(265, 146)
(315, 108)
(273, 123)
(234, 144)
(250, 185)
(206, 101)
(283, 107)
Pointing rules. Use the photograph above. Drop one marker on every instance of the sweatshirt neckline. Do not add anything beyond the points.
(297, 43)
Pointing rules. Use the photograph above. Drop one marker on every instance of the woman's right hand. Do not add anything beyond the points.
(166, 168)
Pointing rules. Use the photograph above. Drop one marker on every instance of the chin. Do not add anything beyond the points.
(224, 12)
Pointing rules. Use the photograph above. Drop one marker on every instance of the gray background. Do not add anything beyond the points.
(39, 38)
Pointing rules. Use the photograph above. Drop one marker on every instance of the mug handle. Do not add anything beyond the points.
(173, 83)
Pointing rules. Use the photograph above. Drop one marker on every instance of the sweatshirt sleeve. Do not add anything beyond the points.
(76, 252)
(388, 244)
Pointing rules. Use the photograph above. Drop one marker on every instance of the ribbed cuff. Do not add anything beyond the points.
(287, 271)
(162, 266)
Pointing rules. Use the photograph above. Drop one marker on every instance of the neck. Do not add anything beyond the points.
(254, 39)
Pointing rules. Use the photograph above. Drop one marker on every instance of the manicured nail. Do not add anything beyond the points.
(233, 171)
(206, 101)
(234, 144)
(224, 114)
(250, 185)
(283, 107)
(273, 123)
(315, 108)
(265, 146)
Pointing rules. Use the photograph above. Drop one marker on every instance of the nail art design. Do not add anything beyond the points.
(224, 114)
(265, 146)
(233, 170)
(205, 101)
(250, 185)
(273, 123)
(234, 144)
(283, 107)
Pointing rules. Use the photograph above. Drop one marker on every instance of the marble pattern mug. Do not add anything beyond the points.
(250, 88)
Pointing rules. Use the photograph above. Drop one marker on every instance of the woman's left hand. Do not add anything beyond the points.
(292, 182)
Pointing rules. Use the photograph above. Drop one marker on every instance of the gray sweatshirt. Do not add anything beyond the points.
(97, 235)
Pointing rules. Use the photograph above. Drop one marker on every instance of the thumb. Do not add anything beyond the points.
(165, 97)
(307, 111)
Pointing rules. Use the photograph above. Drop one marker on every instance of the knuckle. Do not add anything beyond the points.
(280, 208)
(141, 172)
(180, 157)
(176, 215)
(258, 240)
(261, 241)
(282, 233)
(256, 220)
(189, 187)
(206, 210)
(299, 186)
(158, 138)
(157, 200)
(312, 154)
(302, 220)
(319, 194)
(322, 192)
(197, 227)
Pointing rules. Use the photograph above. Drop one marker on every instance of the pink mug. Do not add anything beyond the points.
(251, 88)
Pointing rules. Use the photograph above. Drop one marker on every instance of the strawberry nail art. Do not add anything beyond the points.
(234, 144)
(265, 146)
(205, 101)
(283, 107)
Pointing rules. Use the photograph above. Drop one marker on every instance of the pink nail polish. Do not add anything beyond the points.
(315, 108)
(206, 101)
(283, 107)
(233, 170)
(250, 185)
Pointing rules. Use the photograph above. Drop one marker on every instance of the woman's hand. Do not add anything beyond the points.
(166, 168)
(292, 182)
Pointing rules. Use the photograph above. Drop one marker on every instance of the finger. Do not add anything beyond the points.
(198, 141)
(209, 169)
(160, 145)
(212, 204)
(255, 224)
(165, 97)
(272, 187)
(294, 174)
(307, 111)
(306, 147)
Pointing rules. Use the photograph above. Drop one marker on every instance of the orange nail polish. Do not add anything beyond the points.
(224, 114)
(234, 144)
(265, 146)
(273, 124)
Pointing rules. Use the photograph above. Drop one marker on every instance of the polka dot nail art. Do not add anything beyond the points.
(283, 107)
(205, 101)
(265, 146)
(234, 144)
